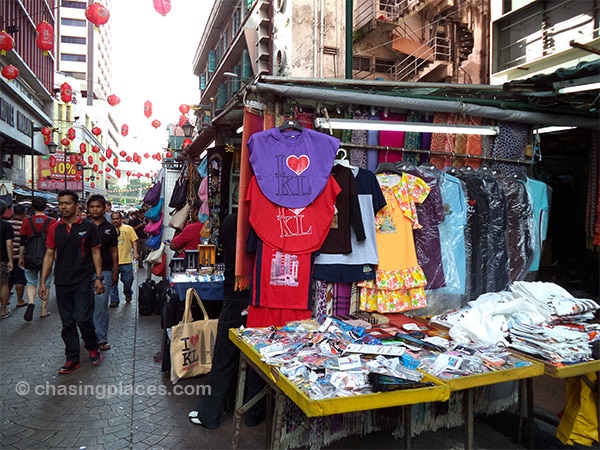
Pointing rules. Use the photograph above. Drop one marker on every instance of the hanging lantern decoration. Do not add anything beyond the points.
(72, 159)
(45, 37)
(92, 185)
(128, 173)
(71, 133)
(168, 155)
(118, 173)
(47, 139)
(146, 155)
(158, 156)
(46, 131)
(147, 108)
(123, 153)
(52, 161)
(82, 148)
(107, 169)
(102, 158)
(66, 93)
(65, 142)
(116, 162)
(101, 171)
(138, 175)
(156, 123)
(183, 119)
(95, 167)
(96, 131)
(184, 109)
(7, 42)
(113, 100)
(10, 72)
(162, 6)
(95, 148)
(186, 142)
(124, 129)
(128, 158)
(97, 14)
(90, 159)
(109, 152)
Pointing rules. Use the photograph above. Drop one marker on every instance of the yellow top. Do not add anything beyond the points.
(126, 238)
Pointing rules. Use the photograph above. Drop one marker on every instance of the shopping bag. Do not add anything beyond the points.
(6, 195)
(160, 269)
(192, 342)
(179, 217)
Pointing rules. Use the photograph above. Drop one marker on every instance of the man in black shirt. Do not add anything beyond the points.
(136, 221)
(96, 205)
(75, 243)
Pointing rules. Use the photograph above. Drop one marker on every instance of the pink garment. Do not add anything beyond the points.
(203, 196)
(394, 139)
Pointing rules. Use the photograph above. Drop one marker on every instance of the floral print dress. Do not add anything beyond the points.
(400, 281)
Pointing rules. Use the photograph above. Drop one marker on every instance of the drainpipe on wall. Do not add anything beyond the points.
(349, 27)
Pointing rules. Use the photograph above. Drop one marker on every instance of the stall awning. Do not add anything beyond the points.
(202, 140)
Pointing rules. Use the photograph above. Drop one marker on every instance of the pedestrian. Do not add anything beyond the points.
(6, 260)
(136, 221)
(73, 244)
(108, 212)
(32, 274)
(222, 376)
(17, 276)
(189, 237)
(127, 241)
(96, 205)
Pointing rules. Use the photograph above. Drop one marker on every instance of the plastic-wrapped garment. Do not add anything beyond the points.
(519, 226)
(427, 239)
(539, 193)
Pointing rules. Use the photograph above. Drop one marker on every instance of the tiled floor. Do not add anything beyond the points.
(128, 403)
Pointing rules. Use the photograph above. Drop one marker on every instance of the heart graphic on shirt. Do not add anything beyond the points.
(296, 211)
(298, 164)
(193, 339)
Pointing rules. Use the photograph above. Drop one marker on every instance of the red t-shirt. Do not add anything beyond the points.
(298, 230)
(39, 221)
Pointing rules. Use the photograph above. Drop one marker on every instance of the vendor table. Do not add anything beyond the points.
(207, 290)
(282, 387)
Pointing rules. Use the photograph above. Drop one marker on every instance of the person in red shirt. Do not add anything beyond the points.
(189, 238)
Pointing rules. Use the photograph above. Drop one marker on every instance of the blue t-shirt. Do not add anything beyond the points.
(538, 193)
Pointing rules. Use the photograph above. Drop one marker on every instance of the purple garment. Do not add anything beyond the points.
(427, 239)
(292, 167)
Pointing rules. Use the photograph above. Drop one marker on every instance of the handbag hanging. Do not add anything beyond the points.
(160, 269)
(154, 257)
(180, 192)
(6, 195)
(153, 228)
(180, 217)
(153, 194)
(154, 212)
(153, 242)
(192, 342)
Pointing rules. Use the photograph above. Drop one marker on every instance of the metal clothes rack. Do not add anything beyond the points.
(433, 152)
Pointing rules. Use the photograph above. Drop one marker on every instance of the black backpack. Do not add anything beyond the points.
(36, 247)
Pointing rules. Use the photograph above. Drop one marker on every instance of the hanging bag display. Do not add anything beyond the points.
(192, 342)
(181, 189)
(153, 242)
(154, 257)
(160, 269)
(153, 228)
(179, 217)
(153, 194)
(6, 195)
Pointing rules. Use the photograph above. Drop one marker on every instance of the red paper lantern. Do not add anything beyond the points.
(118, 173)
(146, 155)
(183, 119)
(113, 100)
(147, 108)
(107, 169)
(96, 131)
(47, 139)
(97, 14)
(186, 142)
(158, 156)
(72, 159)
(124, 129)
(168, 155)
(128, 173)
(90, 159)
(101, 171)
(184, 109)
(156, 123)
(45, 38)
(71, 133)
(162, 6)
(52, 161)
(123, 153)
(10, 72)
(46, 131)
(65, 142)
(95, 148)
(66, 93)
(82, 148)
(7, 43)
(108, 152)
(95, 167)
(92, 185)
(102, 158)
(128, 158)
(116, 162)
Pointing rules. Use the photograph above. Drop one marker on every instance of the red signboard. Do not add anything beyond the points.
(53, 178)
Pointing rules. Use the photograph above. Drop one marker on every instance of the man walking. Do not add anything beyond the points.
(96, 205)
(40, 222)
(17, 276)
(136, 221)
(73, 244)
(6, 260)
(127, 240)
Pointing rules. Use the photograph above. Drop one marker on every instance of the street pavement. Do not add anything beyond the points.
(128, 403)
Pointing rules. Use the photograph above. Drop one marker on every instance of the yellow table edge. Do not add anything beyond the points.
(325, 407)
(566, 371)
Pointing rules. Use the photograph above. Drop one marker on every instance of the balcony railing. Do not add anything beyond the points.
(436, 49)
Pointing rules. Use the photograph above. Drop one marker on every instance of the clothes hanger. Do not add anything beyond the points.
(404, 166)
(340, 159)
(387, 167)
(292, 124)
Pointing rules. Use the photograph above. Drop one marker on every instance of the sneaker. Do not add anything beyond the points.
(113, 304)
(95, 356)
(29, 312)
(128, 299)
(69, 367)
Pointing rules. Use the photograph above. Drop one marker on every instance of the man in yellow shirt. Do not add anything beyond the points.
(127, 241)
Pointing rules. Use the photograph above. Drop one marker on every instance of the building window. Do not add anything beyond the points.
(361, 63)
(383, 65)
(236, 21)
(72, 57)
(72, 40)
(73, 4)
(73, 22)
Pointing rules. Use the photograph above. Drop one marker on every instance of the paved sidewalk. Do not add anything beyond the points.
(81, 410)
